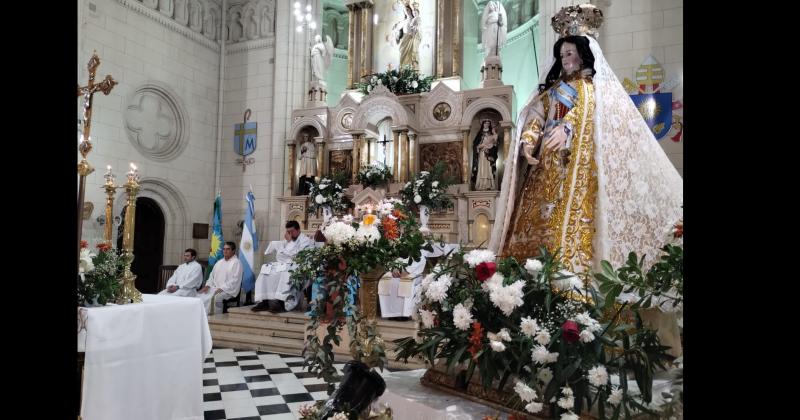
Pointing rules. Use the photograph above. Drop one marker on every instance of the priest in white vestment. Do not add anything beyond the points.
(224, 282)
(273, 290)
(186, 278)
(396, 290)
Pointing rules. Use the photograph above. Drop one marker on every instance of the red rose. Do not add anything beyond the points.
(84, 243)
(103, 246)
(570, 332)
(485, 270)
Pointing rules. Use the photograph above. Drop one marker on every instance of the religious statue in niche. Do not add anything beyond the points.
(484, 157)
(308, 163)
(406, 34)
(250, 24)
(494, 26)
(321, 53)
(235, 30)
(210, 23)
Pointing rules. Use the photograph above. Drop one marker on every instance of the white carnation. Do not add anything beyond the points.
(319, 199)
(569, 416)
(339, 232)
(507, 298)
(497, 346)
(586, 336)
(462, 317)
(598, 375)
(543, 337)
(435, 184)
(534, 407)
(414, 84)
(504, 335)
(540, 355)
(545, 375)
(616, 397)
(477, 256)
(528, 326)
(533, 266)
(427, 317)
(417, 199)
(525, 392)
(437, 290)
(366, 234)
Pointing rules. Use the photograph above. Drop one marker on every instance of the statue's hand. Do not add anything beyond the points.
(527, 151)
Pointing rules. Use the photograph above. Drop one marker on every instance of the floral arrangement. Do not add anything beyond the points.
(374, 175)
(327, 193)
(427, 189)
(542, 335)
(373, 242)
(98, 274)
(403, 81)
(314, 412)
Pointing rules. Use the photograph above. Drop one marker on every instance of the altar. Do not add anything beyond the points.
(145, 360)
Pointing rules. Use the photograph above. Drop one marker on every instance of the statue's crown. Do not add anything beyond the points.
(583, 19)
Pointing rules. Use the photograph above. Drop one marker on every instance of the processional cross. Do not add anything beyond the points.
(384, 142)
(85, 146)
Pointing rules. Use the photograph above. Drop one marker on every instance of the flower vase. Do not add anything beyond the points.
(424, 213)
(327, 213)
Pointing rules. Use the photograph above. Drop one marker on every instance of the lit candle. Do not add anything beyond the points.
(109, 176)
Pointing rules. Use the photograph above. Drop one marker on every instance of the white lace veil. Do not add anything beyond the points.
(640, 192)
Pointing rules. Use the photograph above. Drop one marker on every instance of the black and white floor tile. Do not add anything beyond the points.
(256, 385)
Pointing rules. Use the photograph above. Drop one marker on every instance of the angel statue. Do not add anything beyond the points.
(494, 26)
(321, 53)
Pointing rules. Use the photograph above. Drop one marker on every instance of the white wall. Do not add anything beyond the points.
(134, 48)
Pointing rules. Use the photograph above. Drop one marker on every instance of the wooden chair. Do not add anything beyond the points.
(164, 273)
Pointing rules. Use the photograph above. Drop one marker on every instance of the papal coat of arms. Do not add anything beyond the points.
(649, 94)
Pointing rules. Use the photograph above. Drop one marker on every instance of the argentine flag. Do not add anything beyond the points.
(215, 254)
(248, 245)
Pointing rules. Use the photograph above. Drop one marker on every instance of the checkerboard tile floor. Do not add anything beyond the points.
(253, 385)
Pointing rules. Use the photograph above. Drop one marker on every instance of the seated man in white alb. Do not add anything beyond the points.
(396, 291)
(224, 282)
(186, 278)
(273, 286)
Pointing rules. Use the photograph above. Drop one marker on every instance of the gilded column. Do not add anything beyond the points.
(404, 156)
(412, 154)
(395, 155)
(351, 47)
(320, 143)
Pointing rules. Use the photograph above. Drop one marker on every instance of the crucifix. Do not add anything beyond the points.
(85, 146)
(383, 143)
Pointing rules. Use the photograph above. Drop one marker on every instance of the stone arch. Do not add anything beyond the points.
(304, 122)
(177, 225)
(480, 104)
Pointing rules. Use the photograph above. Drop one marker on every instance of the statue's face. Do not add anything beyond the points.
(570, 59)
(317, 38)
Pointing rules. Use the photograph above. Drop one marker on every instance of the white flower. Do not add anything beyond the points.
(525, 392)
(477, 256)
(569, 416)
(408, 184)
(586, 336)
(319, 199)
(427, 280)
(528, 326)
(86, 265)
(427, 317)
(347, 218)
(598, 375)
(504, 335)
(339, 232)
(462, 317)
(497, 346)
(323, 186)
(545, 375)
(507, 298)
(543, 337)
(343, 416)
(539, 354)
(369, 88)
(567, 401)
(435, 184)
(414, 84)
(552, 357)
(374, 79)
(566, 281)
(534, 407)
(615, 397)
(366, 234)
(417, 199)
(424, 173)
(533, 266)
(437, 290)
